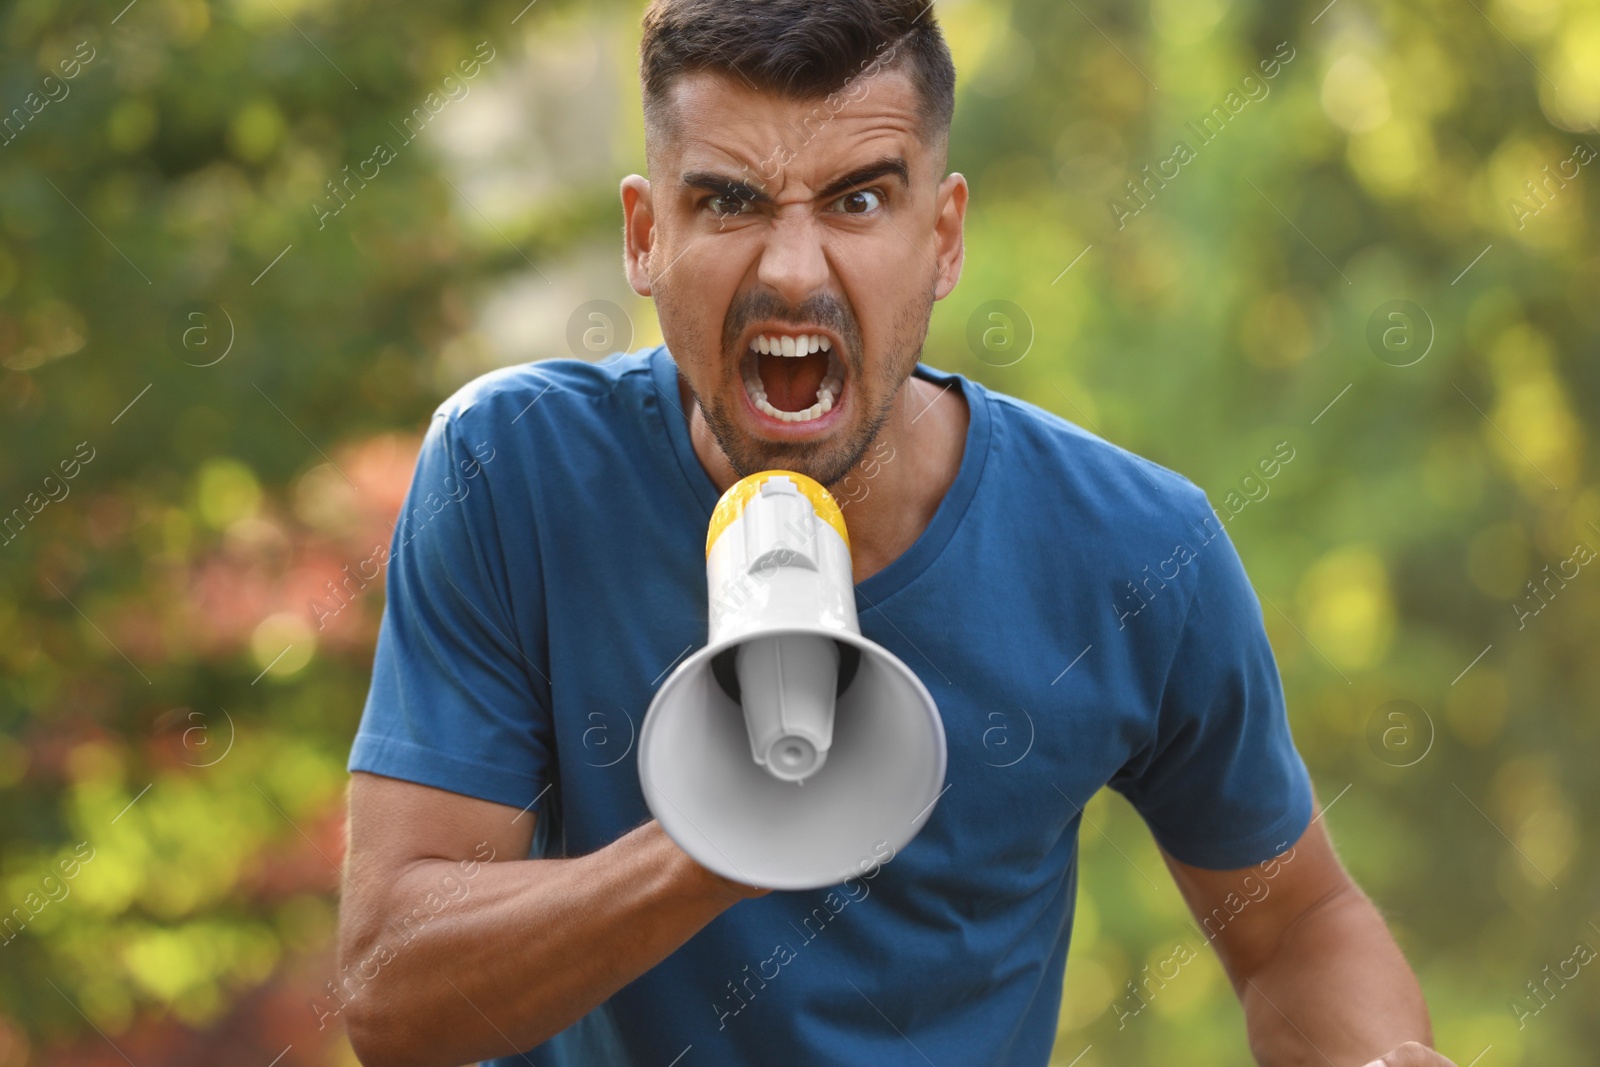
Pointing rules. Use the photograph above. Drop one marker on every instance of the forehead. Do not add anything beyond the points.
(719, 122)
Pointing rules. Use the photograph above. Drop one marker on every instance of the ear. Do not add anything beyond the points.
(638, 232)
(949, 246)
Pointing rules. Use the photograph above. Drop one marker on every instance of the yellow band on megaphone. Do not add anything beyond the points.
(740, 493)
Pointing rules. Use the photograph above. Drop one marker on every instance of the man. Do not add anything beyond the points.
(548, 572)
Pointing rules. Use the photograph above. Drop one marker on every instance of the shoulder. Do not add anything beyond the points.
(556, 392)
(1145, 537)
(1100, 482)
(516, 446)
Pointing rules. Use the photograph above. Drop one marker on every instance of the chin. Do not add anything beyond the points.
(824, 449)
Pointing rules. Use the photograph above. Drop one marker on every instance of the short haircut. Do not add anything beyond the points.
(796, 49)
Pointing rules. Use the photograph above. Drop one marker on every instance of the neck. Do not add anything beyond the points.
(890, 496)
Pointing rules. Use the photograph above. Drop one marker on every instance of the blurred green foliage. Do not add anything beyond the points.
(170, 708)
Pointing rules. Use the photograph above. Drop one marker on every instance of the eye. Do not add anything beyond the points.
(726, 205)
(859, 202)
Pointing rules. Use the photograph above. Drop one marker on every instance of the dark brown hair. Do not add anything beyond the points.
(796, 49)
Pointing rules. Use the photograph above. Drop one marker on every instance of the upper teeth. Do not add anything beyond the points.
(772, 344)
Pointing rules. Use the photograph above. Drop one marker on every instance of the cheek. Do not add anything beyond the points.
(686, 324)
(692, 297)
(895, 325)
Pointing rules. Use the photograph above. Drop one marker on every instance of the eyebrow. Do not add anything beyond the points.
(888, 165)
(722, 185)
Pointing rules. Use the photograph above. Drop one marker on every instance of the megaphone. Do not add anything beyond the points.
(790, 749)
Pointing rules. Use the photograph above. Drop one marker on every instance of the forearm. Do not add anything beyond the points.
(526, 950)
(1337, 991)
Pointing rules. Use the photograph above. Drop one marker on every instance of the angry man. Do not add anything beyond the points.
(508, 894)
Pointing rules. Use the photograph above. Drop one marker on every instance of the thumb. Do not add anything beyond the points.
(1412, 1054)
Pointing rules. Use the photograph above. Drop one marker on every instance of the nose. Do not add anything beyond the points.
(792, 263)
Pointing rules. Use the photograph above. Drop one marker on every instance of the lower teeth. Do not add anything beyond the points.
(832, 383)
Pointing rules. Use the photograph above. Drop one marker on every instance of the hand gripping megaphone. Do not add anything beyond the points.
(789, 749)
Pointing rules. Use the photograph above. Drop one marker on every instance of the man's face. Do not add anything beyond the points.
(794, 251)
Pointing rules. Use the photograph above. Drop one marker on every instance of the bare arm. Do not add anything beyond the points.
(1317, 971)
(454, 948)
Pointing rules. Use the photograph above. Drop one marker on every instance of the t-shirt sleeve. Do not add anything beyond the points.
(455, 701)
(1220, 783)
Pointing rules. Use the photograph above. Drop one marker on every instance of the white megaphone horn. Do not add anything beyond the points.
(787, 752)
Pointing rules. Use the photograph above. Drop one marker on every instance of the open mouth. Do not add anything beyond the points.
(792, 377)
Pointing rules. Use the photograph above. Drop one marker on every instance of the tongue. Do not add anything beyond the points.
(791, 382)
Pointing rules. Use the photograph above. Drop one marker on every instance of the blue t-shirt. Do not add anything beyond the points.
(1077, 612)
